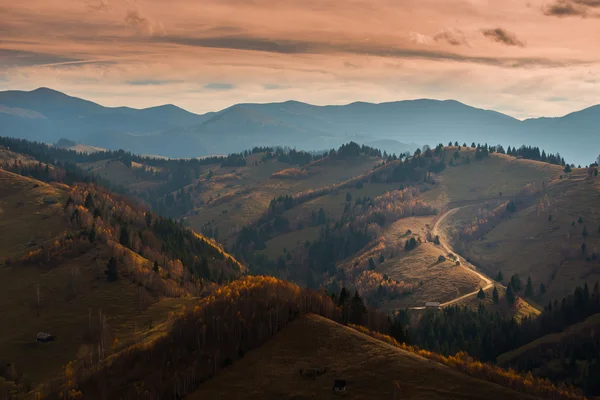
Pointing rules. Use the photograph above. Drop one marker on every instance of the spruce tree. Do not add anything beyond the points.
(155, 268)
(542, 289)
(515, 282)
(357, 309)
(111, 270)
(124, 236)
(495, 296)
(344, 294)
(92, 234)
(381, 259)
(510, 295)
(89, 202)
(371, 264)
(499, 277)
(529, 287)
(481, 294)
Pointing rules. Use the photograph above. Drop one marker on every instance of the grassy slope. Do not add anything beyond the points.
(553, 338)
(117, 173)
(65, 307)
(256, 189)
(522, 308)
(483, 180)
(480, 183)
(437, 281)
(65, 312)
(530, 245)
(24, 218)
(271, 372)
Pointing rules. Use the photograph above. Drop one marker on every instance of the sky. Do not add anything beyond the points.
(523, 58)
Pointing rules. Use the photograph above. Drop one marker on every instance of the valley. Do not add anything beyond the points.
(373, 235)
(286, 200)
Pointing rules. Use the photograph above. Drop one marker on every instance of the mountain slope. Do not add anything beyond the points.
(56, 243)
(368, 365)
(170, 131)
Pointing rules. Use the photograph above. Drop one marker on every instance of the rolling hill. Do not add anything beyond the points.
(390, 228)
(56, 245)
(271, 372)
(47, 115)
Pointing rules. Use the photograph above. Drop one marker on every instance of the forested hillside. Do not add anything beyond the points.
(94, 270)
(224, 327)
(360, 228)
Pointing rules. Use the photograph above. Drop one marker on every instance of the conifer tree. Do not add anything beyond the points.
(92, 234)
(124, 236)
(495, 296)
(371, 264)
(89, 202)
(529, 287)
(515, 282)
(499, 277)
(481, 294)
(344, 294)
(510, 295)
(111, 270)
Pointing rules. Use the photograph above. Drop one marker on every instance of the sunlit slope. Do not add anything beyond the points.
(497, 176)
(555, 240)
(30, 214)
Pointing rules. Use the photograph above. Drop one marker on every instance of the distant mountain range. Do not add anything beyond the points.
(47, 115)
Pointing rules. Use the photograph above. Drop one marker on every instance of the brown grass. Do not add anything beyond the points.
(25, 221)
(591, 322)
(290, 173)
(368, 365)
(64, 312)
(434, 281)
(549, 252)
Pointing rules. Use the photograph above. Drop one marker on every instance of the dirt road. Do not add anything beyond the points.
(463, 263)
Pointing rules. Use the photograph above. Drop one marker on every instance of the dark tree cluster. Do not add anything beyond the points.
(415, 169)
(534, 153)
(485, 334)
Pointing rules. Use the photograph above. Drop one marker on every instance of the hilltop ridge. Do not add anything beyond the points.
(170, 131)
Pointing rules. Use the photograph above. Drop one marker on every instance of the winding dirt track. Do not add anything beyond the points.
(463, 263)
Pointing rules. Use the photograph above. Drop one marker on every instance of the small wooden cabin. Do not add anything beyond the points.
(339, 385)
(432, 304)
(43, 337)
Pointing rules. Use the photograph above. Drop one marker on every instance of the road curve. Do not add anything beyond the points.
(463, 263)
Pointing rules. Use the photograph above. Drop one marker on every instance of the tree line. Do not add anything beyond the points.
(485, 334)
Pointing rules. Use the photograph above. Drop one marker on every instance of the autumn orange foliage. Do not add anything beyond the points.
(510, 378)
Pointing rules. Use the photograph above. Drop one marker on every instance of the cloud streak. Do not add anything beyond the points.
(570, 8)
(98, 5)
(219, 86)
(502, 36)
(290, 47)
(143, 25)
(454, 37)
(145, 52)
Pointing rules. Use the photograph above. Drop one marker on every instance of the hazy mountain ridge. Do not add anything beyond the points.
(171, 131)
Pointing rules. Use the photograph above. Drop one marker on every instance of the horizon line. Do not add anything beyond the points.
(300, 102)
